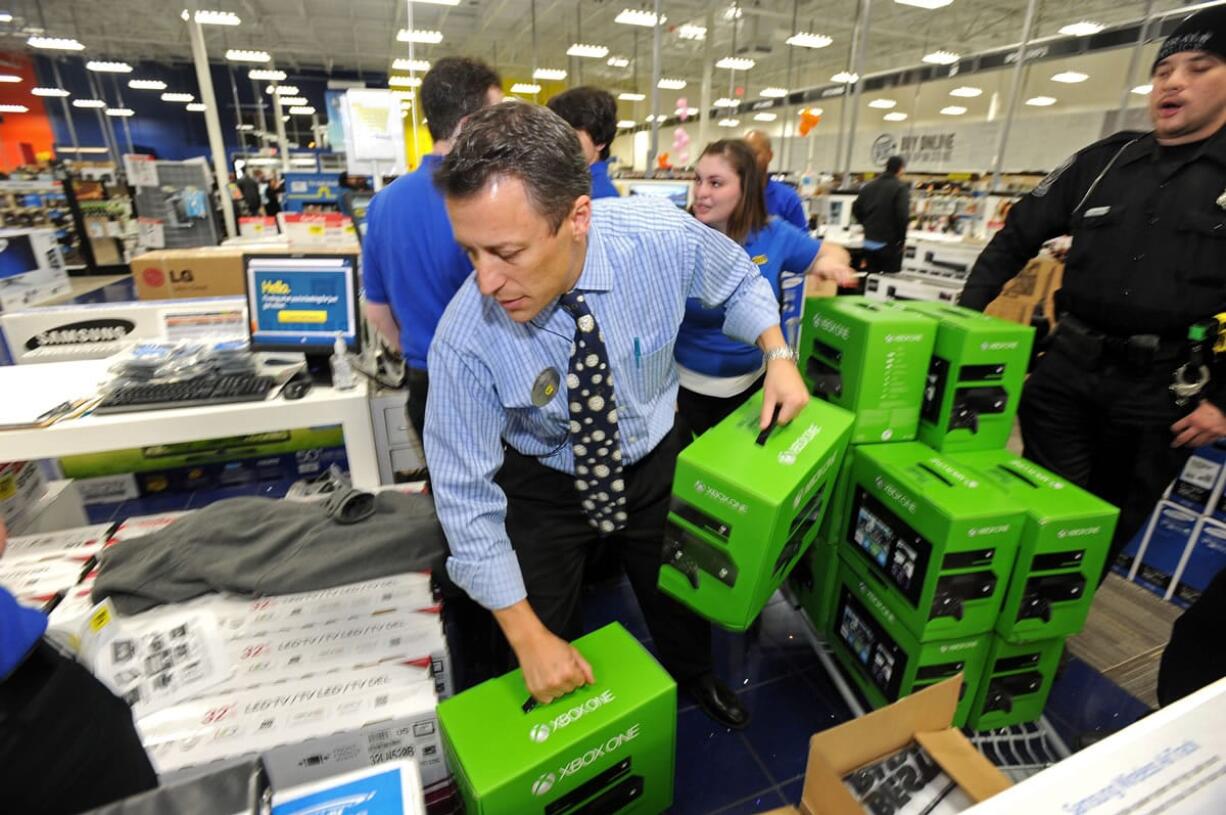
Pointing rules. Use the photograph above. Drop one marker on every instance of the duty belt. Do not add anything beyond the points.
(1091, 347)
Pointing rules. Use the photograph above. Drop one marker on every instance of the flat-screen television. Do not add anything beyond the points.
(677, 192)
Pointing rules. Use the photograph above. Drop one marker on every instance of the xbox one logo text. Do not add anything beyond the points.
(539, 733)
(716, 495)
(547, 780)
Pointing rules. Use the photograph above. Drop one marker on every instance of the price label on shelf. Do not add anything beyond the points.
(152, 233)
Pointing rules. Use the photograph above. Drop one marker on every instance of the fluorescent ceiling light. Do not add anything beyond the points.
(81, 150)
(177, 97)
(58, 93)
(631, 97)
(1085, 28)
(733, 12)
(403, 64)
(1070, 77)
(925, 4)
(525, 87)
(896, 116)
(580, 49)
(953, 110)
(406, 96)
(293, 100)
(735, 63)
(725, 102)
(671, 84)
(286, 118)
(624, 123)
(88, 103)
(942, 58)
(1041, 101)
(434, 3)
(729, 122)
(103, 67)
(690, 31)
(55, 43)
(14, 109)
(688, 111)
(420, 35)
(883, 104)
(554, 74)
(618, 62)
(638, 16)
(1142, 90)
(282, 90)
(197, 107)
(404, 81)
(121, 113)
(246, 128)
(773, 93)
(9, 78)
(966, 92)
(765, 117)
(146, 84)
(302, 110)
(5, 17)
(804, 39)
(206, 17)
(659, 117)
(260, 74)
(244, 55)
(845, 78)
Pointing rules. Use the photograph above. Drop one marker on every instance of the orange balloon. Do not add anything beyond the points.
(808, 121)
(663, 163)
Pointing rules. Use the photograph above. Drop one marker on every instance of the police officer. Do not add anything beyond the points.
(1147, 212)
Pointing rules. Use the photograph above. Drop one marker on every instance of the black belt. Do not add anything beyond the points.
(1092, 347)
(29, 678)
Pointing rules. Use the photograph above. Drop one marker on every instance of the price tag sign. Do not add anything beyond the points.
(152, 233)
(141, 170)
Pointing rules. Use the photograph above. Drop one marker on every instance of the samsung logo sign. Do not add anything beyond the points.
(83, 333)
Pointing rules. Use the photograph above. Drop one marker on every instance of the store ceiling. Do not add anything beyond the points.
(360, 35)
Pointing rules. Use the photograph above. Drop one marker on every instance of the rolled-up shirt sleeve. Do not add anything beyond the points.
(724, 275)
(463, 442)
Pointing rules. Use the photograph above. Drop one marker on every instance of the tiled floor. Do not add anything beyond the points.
(773, 669)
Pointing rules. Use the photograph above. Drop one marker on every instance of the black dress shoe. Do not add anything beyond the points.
(718, 701)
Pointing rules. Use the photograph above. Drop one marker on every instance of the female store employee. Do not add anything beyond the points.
(719, 373)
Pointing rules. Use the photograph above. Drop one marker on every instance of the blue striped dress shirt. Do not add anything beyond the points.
(644, 258)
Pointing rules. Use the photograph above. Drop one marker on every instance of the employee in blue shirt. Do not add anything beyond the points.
(551, 424)
(67, 744)
(592, 112)
(718, 373)
(781, 199)
(411, 265)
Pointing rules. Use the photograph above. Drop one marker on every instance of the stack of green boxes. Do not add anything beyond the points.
(942, 552)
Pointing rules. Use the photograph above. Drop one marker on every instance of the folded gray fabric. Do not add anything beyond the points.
(258, 546)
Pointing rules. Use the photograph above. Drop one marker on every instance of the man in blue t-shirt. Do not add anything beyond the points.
(781, 199)
(592, 112)
(411, 264)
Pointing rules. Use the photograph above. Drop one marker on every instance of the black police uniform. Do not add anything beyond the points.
(1148, 259)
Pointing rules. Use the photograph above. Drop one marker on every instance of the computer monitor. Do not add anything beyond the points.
(678, 193)
(17, 256)
(301, 302)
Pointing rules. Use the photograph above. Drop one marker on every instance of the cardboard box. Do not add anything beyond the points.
(85, 541)
(610, 745)
(1035, 279)
(816, 574)
(1064, 543)
(21, 486)
(974, 379)
(1016, 681)
(743, 513)
(884, 659)
(922, 719)
(1013, 309)
(393, 788)
(932, 530)
(868, 357)
(1169, 762)
(1172, 533)
(207, 271)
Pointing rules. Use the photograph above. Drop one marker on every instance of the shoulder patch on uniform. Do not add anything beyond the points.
(1045, 185)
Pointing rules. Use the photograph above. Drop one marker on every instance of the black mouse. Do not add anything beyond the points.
(297, 387)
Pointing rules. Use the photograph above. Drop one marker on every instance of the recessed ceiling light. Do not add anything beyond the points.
(246, 128)
(293, 100)
(404, 81)
(966, 92)
(631, 97)
(103, 67)
(55, 43)
(244, 55)
(845, 77)
(214, 17)
(302, 110)
(639, 17)
(14, 109)
(692, 32)
(402, 64)
(735, 63)
(588, 51)
(883, 104)
(146, 84)
(404, 96)
(259, 74)
(549, 74)
(725, 102)
(526, 88)
(5, 17)
(896, 116)
(618, 62)
(773, 93)
(671, 84)
(733, 12)
(284, 90)
(177, 97)
(196, 107)
(1041, 101)
(121, 113)
(729, 122)
(942, 58)
(624, 123)
(437, 2)
(419, 35)
(765, 117)
(88, 103)
(925, 4)
(1085, 28)
(58, 93)
(953, 110)
(805, 39)
(1070, 77)
(9, 78)
(1142, 90)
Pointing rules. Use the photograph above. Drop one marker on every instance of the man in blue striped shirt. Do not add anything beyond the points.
(502, 426)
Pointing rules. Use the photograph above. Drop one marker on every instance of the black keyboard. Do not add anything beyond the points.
(207, 390)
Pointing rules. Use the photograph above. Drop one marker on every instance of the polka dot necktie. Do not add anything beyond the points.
(594, 437)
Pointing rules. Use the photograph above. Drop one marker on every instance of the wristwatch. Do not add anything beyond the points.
(782, 352)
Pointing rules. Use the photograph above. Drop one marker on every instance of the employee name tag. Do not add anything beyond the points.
(545, 387)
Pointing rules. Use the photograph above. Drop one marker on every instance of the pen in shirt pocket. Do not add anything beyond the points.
(638, 354)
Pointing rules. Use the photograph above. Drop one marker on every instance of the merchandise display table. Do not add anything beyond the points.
(96, 434)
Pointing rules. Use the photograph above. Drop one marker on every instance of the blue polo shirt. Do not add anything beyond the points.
(410, 260)
(20, 628)
(785, 202)
(602, 187)
(702, 345)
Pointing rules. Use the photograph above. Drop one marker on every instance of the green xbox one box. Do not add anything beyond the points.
(609, 747)
(884, 660)
(871, 358)
(1064, 544)
(941, 538)
(744, 512)
(974, 378)
(1017, 679)
(816, 573)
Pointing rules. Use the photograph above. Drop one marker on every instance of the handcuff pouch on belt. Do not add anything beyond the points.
(1206, 342)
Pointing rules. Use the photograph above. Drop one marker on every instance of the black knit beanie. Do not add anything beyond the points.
(1203, 31)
